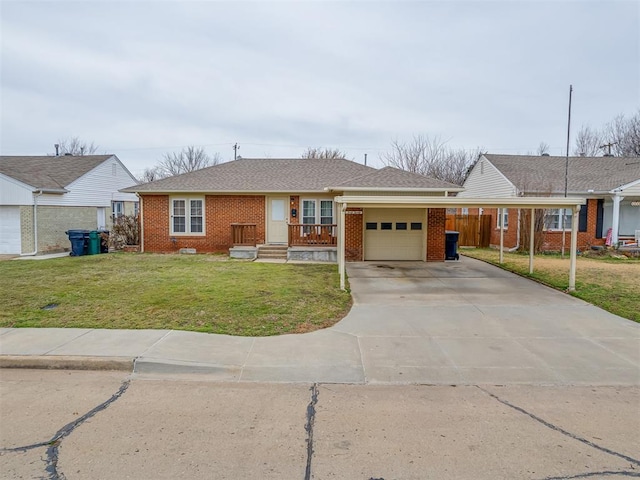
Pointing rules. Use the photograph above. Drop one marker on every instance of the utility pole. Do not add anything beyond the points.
(608, 147)
(236, 147)
(566, 171)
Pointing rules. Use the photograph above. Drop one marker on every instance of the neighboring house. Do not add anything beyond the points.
(611, 186)
(42, 197)
(295, 204)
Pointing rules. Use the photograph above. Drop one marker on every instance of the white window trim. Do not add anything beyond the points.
(318, 209)
(568, 213)
(505, 214)
(187, 201)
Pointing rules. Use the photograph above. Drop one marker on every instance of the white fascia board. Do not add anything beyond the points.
(622, 188)
(394, 189)
(454, 202)
(18, 182)
(220, 192)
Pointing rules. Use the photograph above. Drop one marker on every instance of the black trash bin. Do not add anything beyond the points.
(76, 237)
(451, 245)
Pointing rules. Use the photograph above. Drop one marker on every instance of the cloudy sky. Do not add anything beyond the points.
(143, 78)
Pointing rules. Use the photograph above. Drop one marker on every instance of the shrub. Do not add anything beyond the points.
(125, 231)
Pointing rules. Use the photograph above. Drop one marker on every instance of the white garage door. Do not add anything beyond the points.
(9, 229)
(394, 234)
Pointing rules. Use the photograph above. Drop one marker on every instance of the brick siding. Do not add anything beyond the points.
(220, 212)
(353, 251)
(436, 218)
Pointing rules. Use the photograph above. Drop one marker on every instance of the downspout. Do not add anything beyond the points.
(36, 194)
(517, 236)
(141, 233)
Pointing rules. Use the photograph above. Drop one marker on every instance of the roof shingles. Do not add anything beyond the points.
(48, 172)
(545, 174)
(288, 175)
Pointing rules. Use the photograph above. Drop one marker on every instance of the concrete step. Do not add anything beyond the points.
(272, 255)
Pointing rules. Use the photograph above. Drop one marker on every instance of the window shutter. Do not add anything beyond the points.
(582, 222)
(599, 218)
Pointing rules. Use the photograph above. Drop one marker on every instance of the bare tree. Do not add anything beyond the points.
(624, 135)
(431, 157)
(75, 146)
(150, 175)
(320, 152)
(588, 141)
(543, 148)
(188, 159)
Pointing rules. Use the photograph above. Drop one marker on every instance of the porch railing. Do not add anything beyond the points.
(243, 234)
(312, 234)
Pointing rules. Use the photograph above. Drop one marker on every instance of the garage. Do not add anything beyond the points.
(394, 234)
(10, 230)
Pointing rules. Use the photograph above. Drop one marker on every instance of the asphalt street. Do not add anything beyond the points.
(77, 425)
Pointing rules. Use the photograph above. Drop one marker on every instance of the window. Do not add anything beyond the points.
(117, 209)
(136, 208)
(187, 216)
(416, 225)
(553, 219)
(505, 218)
(372, 226)
(401, 225)
(317, 212)
(386, 226)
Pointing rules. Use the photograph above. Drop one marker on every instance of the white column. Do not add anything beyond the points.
(341, 245)
(532, 232)
(501, 223)
(574, 247)
(615, 224)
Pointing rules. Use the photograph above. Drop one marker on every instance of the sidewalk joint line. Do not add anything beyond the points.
(68, 342)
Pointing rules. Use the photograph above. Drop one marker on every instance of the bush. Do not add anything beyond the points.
(125, 231)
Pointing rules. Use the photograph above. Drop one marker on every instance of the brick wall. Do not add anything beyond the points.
(436, 218)
(220, 212)
(353, 251)
(26, 229)
(510, 232)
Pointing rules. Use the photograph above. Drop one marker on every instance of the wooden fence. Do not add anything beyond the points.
(475, 230)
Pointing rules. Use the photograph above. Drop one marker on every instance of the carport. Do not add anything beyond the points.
(413, 202)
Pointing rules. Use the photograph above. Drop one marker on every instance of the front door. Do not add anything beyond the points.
(277, 220)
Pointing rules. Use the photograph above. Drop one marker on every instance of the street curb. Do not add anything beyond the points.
(60, 362)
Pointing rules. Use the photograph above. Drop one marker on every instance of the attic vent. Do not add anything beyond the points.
(481, 168)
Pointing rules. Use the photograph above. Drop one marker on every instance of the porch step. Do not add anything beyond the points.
(273, 251)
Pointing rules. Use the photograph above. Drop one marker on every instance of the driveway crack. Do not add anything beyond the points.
(633, 461)
(311, 419)
(55, 442)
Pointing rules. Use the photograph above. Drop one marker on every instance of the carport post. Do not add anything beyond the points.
(341, 245)
(531, 239)
(574, 247)
(501, 223)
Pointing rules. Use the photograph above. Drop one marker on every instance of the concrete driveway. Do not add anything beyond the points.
(470, 322)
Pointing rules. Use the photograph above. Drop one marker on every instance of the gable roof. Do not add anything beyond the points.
(545, 174)
(49, 172)
(394, 178)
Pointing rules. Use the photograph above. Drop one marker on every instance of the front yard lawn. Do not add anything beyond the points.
(609, 283)
(204, 293)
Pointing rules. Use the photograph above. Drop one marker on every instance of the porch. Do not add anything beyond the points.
(305, 242)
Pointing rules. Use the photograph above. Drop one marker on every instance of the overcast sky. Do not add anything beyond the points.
(143, 78)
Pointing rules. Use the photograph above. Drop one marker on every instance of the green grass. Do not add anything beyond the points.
(610, 283)
(204, 293)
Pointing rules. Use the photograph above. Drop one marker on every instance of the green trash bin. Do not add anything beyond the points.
(94, 243)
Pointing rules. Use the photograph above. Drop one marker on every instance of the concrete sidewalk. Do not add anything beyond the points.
(453, 323)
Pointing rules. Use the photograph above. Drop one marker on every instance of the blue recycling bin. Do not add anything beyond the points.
(451, 245)
(76, 237)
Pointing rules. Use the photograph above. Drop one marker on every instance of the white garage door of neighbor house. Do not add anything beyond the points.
(10, 230)
(391, 234)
